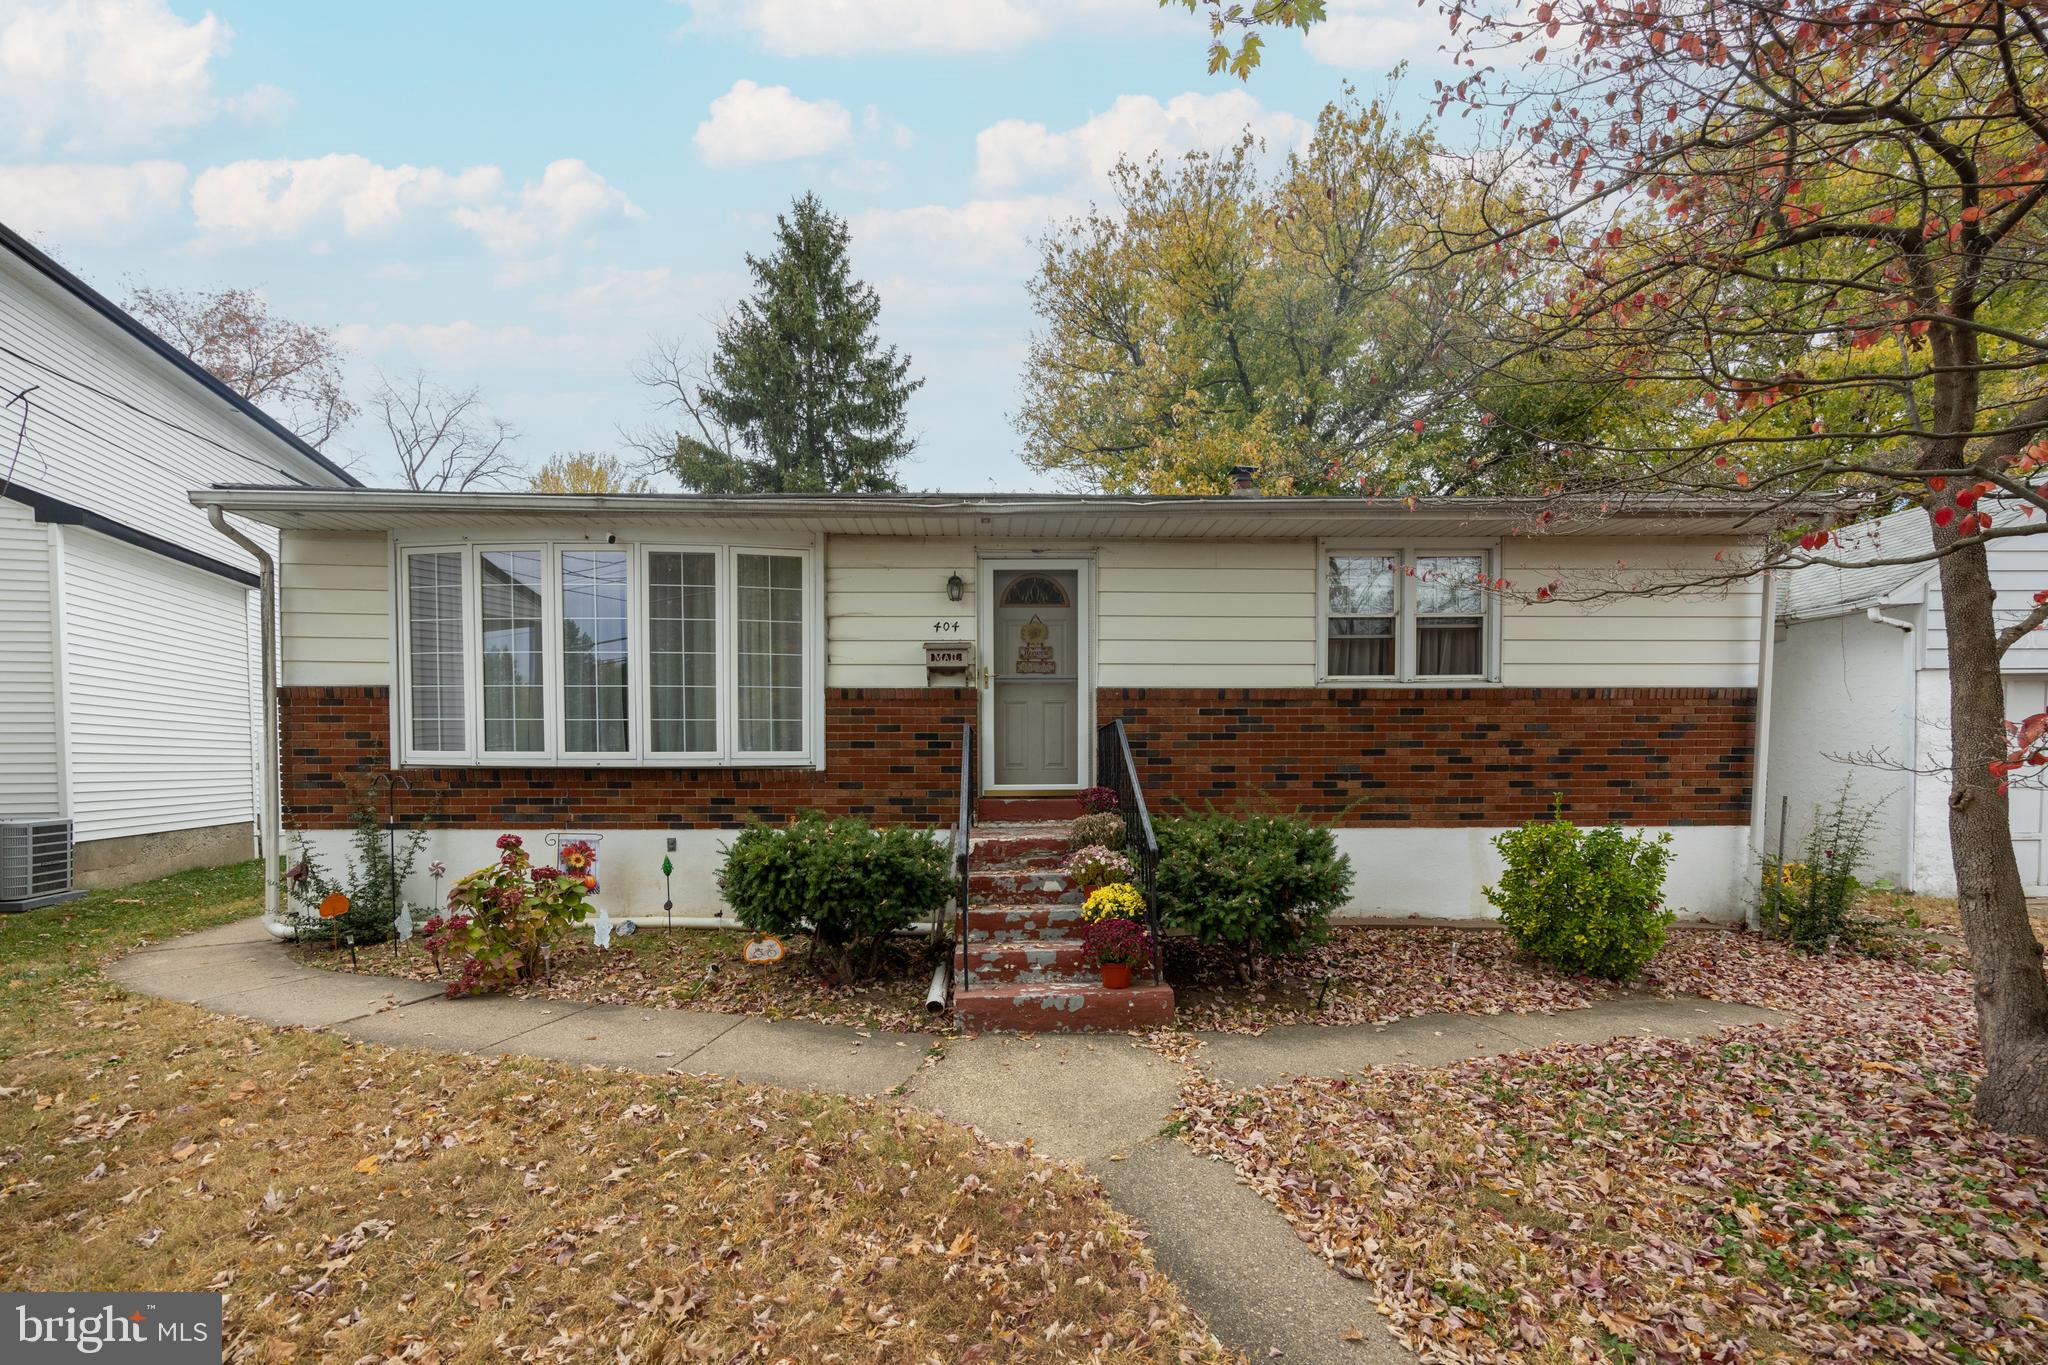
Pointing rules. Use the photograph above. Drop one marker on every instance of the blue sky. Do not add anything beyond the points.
(522, 197)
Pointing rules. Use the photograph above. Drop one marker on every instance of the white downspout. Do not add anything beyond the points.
(1910, 705)
(1759, 815)
(271, 807)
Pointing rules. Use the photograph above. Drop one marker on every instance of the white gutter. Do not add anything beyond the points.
(1878, 618)
(1909, 708)
(270, 815)
(1767, 641)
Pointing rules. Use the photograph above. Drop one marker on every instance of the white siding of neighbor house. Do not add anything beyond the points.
(157, 677)
(2019, 569)
(95, 452)
(31, 760)
(1842, 686)
(336, 591)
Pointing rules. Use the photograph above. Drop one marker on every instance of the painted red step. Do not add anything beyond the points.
(1050, 959)
(1022, 845)
(1020, 886)
(1034, 1007)
(1012, 922)
(999, 808)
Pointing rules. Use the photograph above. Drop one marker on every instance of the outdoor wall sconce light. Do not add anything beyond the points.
(954, 588)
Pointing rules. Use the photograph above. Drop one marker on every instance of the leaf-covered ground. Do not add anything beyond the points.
(694, 969)
(1808, 1190)
(359, 1203)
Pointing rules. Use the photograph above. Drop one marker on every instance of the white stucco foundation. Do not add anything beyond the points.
(1443, 873)
(1403, 872)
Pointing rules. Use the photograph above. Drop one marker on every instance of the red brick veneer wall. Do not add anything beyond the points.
(1447, 757)
(891, 754)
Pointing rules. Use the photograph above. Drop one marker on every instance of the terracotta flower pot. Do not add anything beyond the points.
(1087, 890)
(1116, 976)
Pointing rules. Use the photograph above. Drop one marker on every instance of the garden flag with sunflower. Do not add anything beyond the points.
(578, 858)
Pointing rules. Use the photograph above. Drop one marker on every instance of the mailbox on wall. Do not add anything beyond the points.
(946, 663)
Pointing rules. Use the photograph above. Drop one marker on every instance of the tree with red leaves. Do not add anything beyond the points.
(1814, 232)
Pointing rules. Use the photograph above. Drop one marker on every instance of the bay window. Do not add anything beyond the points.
(577, 653)
(1406, 615)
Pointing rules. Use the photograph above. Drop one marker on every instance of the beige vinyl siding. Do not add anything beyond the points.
(1702, 637)
(1189, 613)
(883, 598)
(31, 757)
(336, 593)
(157, 677)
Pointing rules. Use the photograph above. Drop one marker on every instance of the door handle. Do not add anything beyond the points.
(984, 675)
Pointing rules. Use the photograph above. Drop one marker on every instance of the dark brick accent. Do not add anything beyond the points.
(1448, 757)
(892, 754)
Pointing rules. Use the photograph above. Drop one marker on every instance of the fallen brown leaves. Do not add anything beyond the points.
(1786, 1192)
(696, 969)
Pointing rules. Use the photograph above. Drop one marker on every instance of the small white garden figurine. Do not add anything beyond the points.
(603, 931)
(403, 924)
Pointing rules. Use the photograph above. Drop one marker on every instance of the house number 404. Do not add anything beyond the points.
(946, 627)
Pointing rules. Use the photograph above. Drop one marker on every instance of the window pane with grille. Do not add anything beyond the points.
(594, 651)
(1362, 612)
(1450, 616)
(769, 622)
(682, 643)
(514, 710)
(433, 604)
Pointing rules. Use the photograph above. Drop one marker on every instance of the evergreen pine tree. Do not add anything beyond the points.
(803, 394)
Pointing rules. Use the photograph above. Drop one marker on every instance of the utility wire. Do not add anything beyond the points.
(19, 436)
(141, 411)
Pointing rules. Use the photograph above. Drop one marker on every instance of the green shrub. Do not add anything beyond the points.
(845, 884)
(1103, 828)
(1256, 884)
(1810, 904)
(1587, 901)
(371, 878)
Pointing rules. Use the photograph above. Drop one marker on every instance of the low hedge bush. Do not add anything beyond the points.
(847, 885)
(1258, 884)
(1585, 900)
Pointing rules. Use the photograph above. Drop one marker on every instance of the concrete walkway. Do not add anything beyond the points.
(1098, 1099)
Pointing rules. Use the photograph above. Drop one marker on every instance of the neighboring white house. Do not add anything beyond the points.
(1862, 674)
(128, 630)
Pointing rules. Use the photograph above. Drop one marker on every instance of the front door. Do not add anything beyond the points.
(2027, 694)
(1035, 678)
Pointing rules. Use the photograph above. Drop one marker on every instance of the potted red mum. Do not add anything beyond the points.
(1117, 945)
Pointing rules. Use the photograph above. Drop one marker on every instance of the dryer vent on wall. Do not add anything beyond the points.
(35, 863)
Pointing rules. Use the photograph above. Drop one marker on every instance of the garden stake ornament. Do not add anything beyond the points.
(668, 895)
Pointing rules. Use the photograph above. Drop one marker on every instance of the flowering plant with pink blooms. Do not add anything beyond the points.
(1095, 800)
(503, 918)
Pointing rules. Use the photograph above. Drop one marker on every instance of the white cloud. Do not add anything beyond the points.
(279, 199)
(74, 202)
(1015, 152)
(654, 294)
(78, 75)
(752, 123)
(980, 234)
(568, 198)
(1365, 33)
(840, 28)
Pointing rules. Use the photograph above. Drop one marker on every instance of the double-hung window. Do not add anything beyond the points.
(577, 653)
(1405, 615)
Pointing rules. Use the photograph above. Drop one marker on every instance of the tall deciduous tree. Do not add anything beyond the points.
(1299, 322)
(800, 395)
(1816, 234)
(588, 471)
(289, 369)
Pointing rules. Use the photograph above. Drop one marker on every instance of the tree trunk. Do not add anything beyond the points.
(2005, 957)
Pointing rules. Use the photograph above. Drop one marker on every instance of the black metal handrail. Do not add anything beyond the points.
(1118, 771)
(963, 841)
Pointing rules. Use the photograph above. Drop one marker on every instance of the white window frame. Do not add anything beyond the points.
(473, 643)
(639, 686)
(401, 707)
(1405, 614)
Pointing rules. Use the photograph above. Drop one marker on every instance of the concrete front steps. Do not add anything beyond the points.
(1021, 967)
